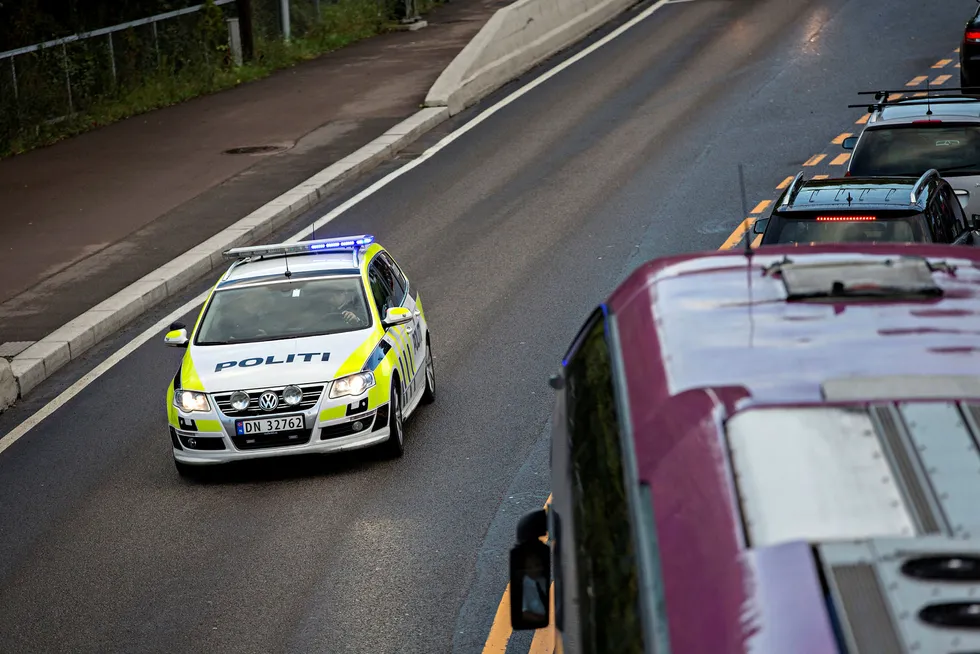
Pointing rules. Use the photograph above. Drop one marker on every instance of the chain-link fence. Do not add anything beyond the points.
(128, 68)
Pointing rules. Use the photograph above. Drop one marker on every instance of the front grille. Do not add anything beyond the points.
(202, 442)
(345, 429)
(311, 395)
(281, 439)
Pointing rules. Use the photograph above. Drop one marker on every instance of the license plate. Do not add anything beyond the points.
(269, 425)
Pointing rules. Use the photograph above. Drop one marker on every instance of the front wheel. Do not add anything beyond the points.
(429, 394)
(394, 447)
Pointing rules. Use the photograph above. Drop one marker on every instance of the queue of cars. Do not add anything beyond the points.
(777, 449)
(913, 176)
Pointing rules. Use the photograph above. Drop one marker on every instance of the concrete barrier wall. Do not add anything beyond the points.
(515, 39)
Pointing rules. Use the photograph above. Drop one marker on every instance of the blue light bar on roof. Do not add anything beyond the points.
(342, 244)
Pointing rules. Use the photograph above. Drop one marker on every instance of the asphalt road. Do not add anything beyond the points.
(514, 232)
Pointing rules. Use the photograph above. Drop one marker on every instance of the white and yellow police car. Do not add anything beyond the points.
(310, 347)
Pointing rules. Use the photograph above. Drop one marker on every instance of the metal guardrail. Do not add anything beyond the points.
(104, 31)
(107, 30)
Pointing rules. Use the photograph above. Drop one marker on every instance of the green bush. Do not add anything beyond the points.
(147, 68)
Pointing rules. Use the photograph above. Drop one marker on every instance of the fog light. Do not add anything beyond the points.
(292, 395)
(192, 442)
(358, 426)
(239, 401)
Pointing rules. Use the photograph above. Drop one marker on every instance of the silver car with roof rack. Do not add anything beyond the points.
(904, 137)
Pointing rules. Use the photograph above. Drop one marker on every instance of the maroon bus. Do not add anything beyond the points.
(767, 452)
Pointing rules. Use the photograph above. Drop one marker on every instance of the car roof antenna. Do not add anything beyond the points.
(745, 211)
(285, 259)
(928, 97)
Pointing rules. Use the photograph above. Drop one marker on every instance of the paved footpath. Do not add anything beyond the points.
(86, 217)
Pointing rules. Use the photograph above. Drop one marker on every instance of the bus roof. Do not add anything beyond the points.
(804, 451)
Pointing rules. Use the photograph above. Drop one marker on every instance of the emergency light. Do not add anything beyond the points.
(342, 244)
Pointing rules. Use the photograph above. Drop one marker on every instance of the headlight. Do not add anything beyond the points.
(351, 384)
(188, 401)
(292, 395)
(239, 400)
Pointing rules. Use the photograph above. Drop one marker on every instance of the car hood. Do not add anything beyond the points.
(267, 364)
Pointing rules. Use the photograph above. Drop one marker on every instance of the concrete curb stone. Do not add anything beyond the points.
(42, 359)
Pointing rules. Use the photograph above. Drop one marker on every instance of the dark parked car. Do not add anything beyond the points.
(868, 209)
(970, 52)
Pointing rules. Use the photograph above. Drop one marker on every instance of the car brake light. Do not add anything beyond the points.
(972, 35)
(841, 219)
(926, 120)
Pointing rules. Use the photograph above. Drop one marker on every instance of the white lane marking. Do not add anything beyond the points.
(486, 113)
(18, 432)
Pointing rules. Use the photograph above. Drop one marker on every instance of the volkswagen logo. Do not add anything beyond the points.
(268, 401)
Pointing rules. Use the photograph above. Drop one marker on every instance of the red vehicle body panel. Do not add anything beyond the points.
(700, 335)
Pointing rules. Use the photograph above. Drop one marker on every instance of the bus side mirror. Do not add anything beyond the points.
(530, 574)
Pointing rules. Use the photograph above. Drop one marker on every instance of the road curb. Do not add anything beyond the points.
(70, 341)
(514, 40)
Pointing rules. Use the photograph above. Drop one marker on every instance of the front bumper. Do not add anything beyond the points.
(316, 437)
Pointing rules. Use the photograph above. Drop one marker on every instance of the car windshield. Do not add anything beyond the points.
(284, 309)
(806, 230)
(910, 151)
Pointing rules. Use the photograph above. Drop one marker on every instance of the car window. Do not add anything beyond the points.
(937, 221)
(390, 279)
(604, 553)
(396, 269)
(380, 289)
(806, 229)
(287, 309)
(912, 150)
(955, 218)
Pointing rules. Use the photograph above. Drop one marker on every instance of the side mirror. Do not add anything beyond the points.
(177, 336)
(530, 574)
(397, 316)
(851, 141)
(759, 226)
(963, 196)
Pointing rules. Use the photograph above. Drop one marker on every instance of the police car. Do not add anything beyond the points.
(310, 347)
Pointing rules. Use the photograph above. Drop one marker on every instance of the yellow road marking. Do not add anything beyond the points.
(759, 208)
(840, 138)
(500, 630)
(862, 120)
(815, 159)
(956, 50)
(942, 63)
(956, 66)
(895, 96)
(783, 184)
(841, 159)
(736, 236)
(919, 95)
(757, 241)
(917, 80)
(821, 176)
(942, 79)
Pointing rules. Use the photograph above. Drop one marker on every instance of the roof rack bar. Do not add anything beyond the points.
(922, 181)
(793, 189)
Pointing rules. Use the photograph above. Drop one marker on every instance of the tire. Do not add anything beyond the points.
(191, 472)
(394, 447)
(429, 394)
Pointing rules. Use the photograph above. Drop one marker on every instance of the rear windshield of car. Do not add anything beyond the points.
(912, 150)
(284, 309)
(807, 229)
